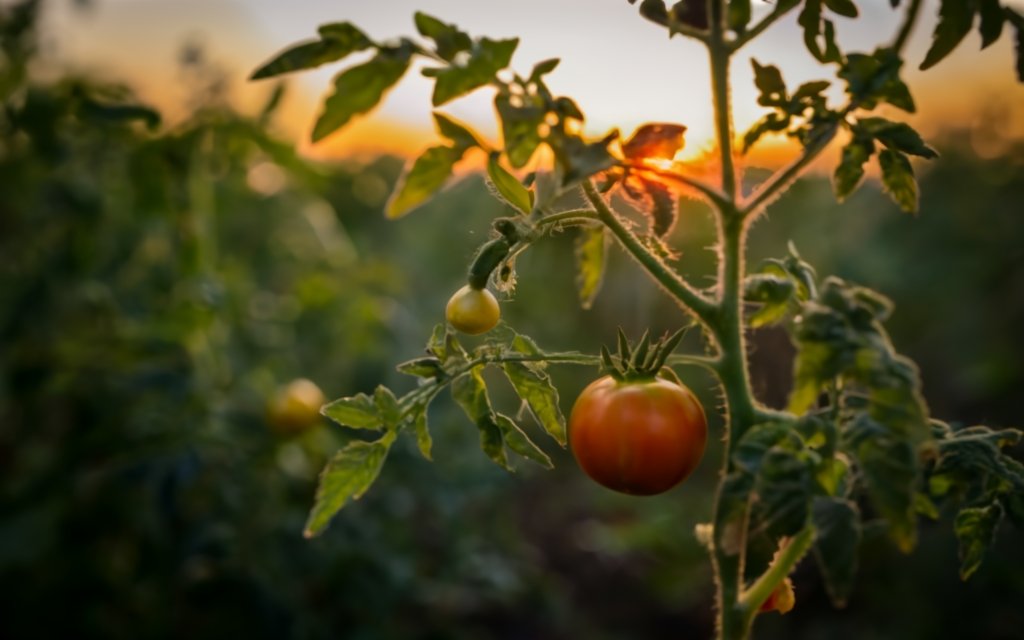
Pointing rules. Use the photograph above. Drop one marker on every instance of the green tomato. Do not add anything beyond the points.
(473, 311)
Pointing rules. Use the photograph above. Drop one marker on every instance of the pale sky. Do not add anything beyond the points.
(621, 69)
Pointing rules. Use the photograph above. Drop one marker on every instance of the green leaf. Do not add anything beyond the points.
(591, 255)
(347, 476)
(449, 40)
(543, 68)
(423, 440)
(992, 19)
(540, 395)
(739, 15)
(520, 443)
(773, 292)
(509, 187)
(767, 124)
(888, 464)
(359, 89)
(845, 8)
(975, 529)
(359, 412)
(850, 171)
(897, 135)
(769, 82)
(519, 128)
(664, 207)
(470, 393)
(461, 135)
(898, 179)
(488, 57)
(751, 448)
(955, 19)
(337, 41)
(814, 28)
(838, 534)
(422, 180)
(580, 159)
(387, 407)
(783, 491)
(427, 367)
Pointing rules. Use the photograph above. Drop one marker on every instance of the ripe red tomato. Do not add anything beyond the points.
(637, 437)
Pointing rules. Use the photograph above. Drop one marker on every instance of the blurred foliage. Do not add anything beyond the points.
(157, 285)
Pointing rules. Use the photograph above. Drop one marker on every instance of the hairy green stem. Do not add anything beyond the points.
(788, 556)
(715, 196)
(681, 290)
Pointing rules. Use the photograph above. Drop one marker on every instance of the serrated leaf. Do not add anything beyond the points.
(838, 534)
(591, 255)
(422, 180)
(955, 18)
(358, 412)
(461, 135)
(767, 124)
(423, 440)
(654, 140)
(535, 388)
(448, 39)
(347, 476)
(845, 8)
(580, 159)
(897, 135)
(775, 295)
(975, 529)
(358, 90)
(850, 172)
(664, 208)
(387, 406)
(991, 22)
(428, 367)
(769, 82)
(888, 465)
(337, 41)
(470, 393)
(783, 490)
(509, 187)
(519, 442)
(898, 179)
(749, 452)
(519, 128)
(487, 58)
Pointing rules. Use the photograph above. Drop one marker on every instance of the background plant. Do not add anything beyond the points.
(856, 429)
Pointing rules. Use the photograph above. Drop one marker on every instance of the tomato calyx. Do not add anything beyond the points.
(644, 362)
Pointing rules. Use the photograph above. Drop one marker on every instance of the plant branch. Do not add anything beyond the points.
(767, 21)
(785, 560)
(719, 52)
(681, 290)
(571, 217)
(711, 193)
(778, 183)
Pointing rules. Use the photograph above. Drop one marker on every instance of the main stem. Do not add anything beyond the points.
(729, 540)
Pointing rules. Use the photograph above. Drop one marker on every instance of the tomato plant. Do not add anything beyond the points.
(855, 440)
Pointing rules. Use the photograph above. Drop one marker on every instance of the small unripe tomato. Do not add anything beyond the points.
(640, 437)
(473, 311)
(295, 407)
(783, 599)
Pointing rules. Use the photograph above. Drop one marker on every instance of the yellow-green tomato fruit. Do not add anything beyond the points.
(473, 311)
(295, 407)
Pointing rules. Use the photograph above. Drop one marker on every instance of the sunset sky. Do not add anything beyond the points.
(621, 69)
